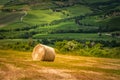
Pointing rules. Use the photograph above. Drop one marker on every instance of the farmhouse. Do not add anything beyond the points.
(57, 10)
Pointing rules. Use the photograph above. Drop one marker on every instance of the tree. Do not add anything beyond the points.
(99, 34)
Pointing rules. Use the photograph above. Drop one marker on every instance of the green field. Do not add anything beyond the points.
(96, 1)
(43, 19)
(76, 36)
(8, 18)
(3, 2)
(78, 10)
(42, 16)
(60, 20)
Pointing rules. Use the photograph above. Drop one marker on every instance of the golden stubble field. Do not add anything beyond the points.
(15, 65)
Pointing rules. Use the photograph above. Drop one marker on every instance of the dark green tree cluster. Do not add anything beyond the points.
(86, 49)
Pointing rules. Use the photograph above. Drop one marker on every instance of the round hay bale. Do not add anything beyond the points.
(43, 53)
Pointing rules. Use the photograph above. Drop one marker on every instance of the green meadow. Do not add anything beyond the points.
(76, 36)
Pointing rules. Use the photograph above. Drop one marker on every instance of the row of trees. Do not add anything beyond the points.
(86, 49)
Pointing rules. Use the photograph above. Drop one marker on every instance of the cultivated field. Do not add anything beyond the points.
(76, 36)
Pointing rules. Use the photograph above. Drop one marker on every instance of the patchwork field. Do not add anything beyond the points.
(75, 28)
(25, 19)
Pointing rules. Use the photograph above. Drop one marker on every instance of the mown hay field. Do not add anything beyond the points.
(16, 65)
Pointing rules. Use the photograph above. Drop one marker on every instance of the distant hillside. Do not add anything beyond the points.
(2, 2)
(28, 18)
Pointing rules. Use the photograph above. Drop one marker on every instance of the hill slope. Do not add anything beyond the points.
(59, 17)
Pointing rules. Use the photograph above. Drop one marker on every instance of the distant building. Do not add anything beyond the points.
(57, 10)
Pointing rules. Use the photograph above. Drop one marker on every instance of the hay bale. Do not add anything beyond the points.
(43, 53)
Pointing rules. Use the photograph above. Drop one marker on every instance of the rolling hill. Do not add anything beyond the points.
(75, 28)
(58, 17)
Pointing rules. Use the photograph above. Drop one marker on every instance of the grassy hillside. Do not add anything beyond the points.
(7, 18)
(3, 1)
(19, 66)
(75, 36)
(112, 23)
(55, 18)
(95, 1)
(78, 10)
(42, 16)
